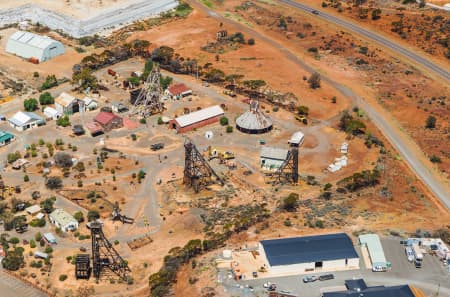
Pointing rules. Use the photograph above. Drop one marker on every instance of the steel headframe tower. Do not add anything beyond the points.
(105, 256)
(197, 172)
(148, 102)
(288, 171)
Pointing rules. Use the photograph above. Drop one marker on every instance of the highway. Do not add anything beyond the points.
(408, 149)
(392, 45)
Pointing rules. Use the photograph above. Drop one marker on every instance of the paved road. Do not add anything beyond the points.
(408, 149)
(444, 73)
(12, 287)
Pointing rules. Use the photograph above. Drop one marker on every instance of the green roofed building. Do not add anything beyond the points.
(6, 138)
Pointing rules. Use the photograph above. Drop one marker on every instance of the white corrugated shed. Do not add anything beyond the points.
(29, 45)
(51, 113)
(199, 115)
(297, 138)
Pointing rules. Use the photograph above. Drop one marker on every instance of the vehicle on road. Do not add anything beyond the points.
(315, 12)
(409, 253)
(326, 277)
(310, 279)
(269, 286)
(157, 146)
(418, 256)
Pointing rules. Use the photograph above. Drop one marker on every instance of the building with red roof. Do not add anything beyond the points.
(108, 121)
(178, 91)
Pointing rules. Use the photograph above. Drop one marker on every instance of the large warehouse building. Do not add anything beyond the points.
(197, 119)
(29, 45)
(330, 252)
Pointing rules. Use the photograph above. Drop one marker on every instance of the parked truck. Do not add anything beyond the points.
(418, 256)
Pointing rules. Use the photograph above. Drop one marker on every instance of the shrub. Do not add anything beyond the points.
(50, 82)
(133, 137)
(160, 121)
(303, 110)
(12, 157)
(93, 215)
(78, 216)
(62, 277)
(251, 41)
(290, 202)
(48, 250)
(313, 50)
(435, 159)
(314, 81)
(63, 121)
(224, 121)
(63, 160)
(80, 183)
(14, 240)
(229, 129)
(26, 178)
(116, 242)
(430, 123)
(143, 121)
(32, 244)
(53, 183)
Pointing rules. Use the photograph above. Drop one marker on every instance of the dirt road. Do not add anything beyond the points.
(391, 130)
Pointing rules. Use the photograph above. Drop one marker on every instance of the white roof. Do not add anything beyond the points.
(62, 217)
(372, 241)
(50, 111)
(297, 137)
(88, 101)
(33, 209)
(40, 216)
(199, 115)
(273, 153)
(32, 39)
(65, 99)
(21, 118)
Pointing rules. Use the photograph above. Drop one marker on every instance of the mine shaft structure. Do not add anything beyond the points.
(197, 172)
(149, 99)
(104, 256)
(288, 171)
(82, 266)
(117, 216)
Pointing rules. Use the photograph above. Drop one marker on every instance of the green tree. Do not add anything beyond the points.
(26, 178)
(431, 122)
(30, 104)
(14, 240)
(47, 205)
(50, 82)
(224, 121)
(46, 98)
(229, 129)
(85, 79)
(38, 236)
(148, 67)
(13, 260)
(63, 121)
(435, 159)
(93, 215)
(32, 244)
(12, 157)
(376, 14)
(165, 81)
(215, 75)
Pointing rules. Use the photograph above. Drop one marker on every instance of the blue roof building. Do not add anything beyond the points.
(321, 253)
(358, 288)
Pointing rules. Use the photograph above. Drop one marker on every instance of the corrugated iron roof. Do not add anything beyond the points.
(32, 39)
(254, 120)
(178, 89)
(372, 241)
(268, 152)
(104, 118)
(62, 217)
(21, 118)
(297, 137)
(65, 99)
(199, 115)
(307, 249)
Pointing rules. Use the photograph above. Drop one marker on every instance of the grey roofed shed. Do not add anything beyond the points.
(273, 153)
(29, 45)
(374, 247)
(307, 249)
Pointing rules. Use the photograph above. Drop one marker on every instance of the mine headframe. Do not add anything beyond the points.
(148, 100)
(104, 257)
(117, 216)
(197, 172)
(288, 171)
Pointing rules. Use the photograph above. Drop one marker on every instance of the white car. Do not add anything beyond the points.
(409, 253)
